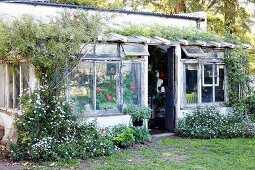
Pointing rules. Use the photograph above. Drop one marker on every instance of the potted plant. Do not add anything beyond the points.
(138, 114)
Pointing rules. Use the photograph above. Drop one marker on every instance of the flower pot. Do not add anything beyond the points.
(138, 123)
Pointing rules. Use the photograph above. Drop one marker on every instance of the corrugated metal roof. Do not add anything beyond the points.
(41, 3)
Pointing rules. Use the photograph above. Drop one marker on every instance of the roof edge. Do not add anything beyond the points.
(92, 8)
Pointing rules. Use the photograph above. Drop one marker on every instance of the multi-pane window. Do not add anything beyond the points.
(104, 86)
(204, 83)
(14, 81)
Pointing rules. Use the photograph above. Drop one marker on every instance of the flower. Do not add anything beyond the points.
(98, 89)
(109, 98)
(132, 87)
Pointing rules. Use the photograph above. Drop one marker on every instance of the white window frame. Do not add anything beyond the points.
(213, 75)
(200, 84)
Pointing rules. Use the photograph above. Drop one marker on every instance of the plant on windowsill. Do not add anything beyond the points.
(138, 114)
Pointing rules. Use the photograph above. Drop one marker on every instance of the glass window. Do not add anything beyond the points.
(25, 77)
(81, 87)
(212, 87)
(191, 71)
(16, 88)
(106, 86)
(2, 85)
(132, 83)
(220, 87)
(10, 86)
(193, 51)
(207, 74)
(107, 49)
(135, 50)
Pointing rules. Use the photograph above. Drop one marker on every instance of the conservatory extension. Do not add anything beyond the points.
(114, 74)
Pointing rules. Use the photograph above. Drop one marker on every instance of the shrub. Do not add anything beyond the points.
(123, 136)
(138, 112)
(141, 134)
(48, 131)
(209, 123)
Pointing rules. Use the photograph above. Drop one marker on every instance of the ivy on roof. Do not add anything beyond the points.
(174, 33)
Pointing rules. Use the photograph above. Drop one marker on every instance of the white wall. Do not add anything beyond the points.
(108, 121)
(10, 11)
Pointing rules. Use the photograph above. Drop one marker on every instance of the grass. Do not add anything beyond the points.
(182, 154)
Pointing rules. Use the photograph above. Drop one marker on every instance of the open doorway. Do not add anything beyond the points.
(158, 85)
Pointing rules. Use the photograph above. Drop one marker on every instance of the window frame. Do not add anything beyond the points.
(119, 87)
(200, 75)
(7, 103)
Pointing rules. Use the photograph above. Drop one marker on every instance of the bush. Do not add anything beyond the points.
(141, 134)
(123, 136)
(209, 123)
(50, 132)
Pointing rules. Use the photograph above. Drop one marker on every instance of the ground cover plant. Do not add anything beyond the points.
(209, 123)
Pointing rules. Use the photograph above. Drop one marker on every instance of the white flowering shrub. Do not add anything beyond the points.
(48, 131)
(209, 123)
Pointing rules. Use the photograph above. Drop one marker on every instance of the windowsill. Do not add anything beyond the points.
(101, 113)
(193, 106)
(9, 112)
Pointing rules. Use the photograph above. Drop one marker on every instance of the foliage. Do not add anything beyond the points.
(209, 123)
(50, 132)
(141, 134)
(138, 112)
(47, 130)
(239, 93)
(129, 90)
(106, 94)
(122, 135)
(172, 33)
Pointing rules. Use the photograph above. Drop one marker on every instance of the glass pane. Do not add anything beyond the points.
(16, 88)
(191, 83)
(106, 49)
(2, 85)
(209, 52)
(220, 54)
(106, 83)
(132, 83)
(25, 77)
(208, 74)
(10, 84)
(135, 49)
(193, 51)
(81, 87)
(207, 94)
(219, 88)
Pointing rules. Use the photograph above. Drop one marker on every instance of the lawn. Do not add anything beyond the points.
(176, 153)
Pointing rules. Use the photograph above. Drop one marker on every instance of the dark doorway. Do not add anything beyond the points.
(161, 91)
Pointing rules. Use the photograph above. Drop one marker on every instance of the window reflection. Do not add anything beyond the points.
(106, 85)
(191, 83)
(81, 87)
(132, 83)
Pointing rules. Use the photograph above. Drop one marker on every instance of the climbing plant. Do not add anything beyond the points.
(47, 129)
